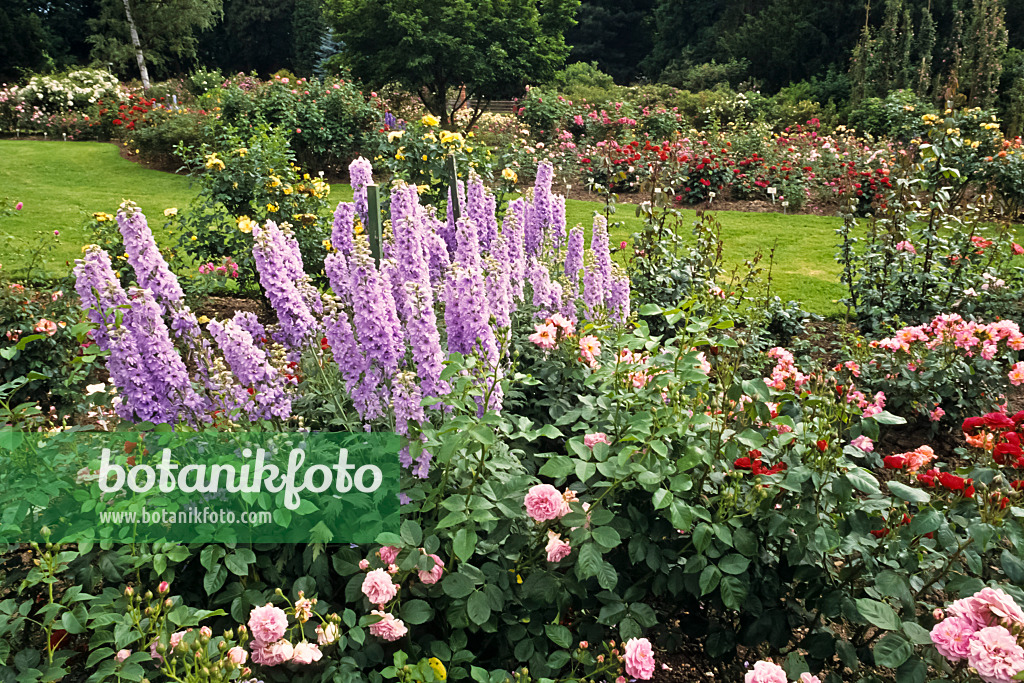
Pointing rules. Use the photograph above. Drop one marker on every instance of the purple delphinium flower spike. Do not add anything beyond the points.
(249, 363)
(344, 227)
(360, 174)
(152, 271)
(100, 292)
(618, 299)
(273, 255)
(248, 322)
(557, 221)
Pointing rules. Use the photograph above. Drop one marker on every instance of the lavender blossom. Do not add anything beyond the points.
(557, 221)
(360, 173)
(344, 227)
(512, 230)
(546, 297)
(618, 299)
(248, 322)
(499, 283)
(152, 271)
(158, 389)
(274, 259)
(375, 316)
(250, 366)
(597, 280)
(100, 292)
(574, 259)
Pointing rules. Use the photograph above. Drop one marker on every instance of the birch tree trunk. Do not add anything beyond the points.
(138, 47)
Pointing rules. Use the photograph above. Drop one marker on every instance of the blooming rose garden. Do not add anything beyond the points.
(621, 457)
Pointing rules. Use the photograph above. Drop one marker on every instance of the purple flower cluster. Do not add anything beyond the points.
(280, 266)
(597, 280)
(100, 292)
(344, 227)
(264, 384)
(152, 271)
(360, 173)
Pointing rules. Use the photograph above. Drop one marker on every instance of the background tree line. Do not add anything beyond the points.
(834, 49)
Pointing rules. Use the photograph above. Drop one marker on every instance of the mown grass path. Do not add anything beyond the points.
(63, 183)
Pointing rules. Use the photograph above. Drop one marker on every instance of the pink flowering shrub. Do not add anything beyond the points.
(986, 630)
(941, 371)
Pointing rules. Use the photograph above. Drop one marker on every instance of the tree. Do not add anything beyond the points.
(614, 33)
(167, 33)
(485, 50)
(986, 46)
(256, 35)
(308, 31)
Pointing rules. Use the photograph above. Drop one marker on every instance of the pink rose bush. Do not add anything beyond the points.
(985, 630)
(388, 628)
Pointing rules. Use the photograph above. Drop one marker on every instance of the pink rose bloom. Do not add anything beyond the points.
(987, 607)
(388, 554)
(272, 654)
(590, 440)
(434, 575)
(639, 658)
(995, 655)
(122, 655)
(163, 587)
(1017, 374)
(388, 628)
(807, 677)
(952, 638)
(863, 443)
(268, 623)
(237, 655)
(306, 653)
(557, 549)
(765, 672)
(544, 502)
(18, 206)
(326, 636)
(936, 414)
(378, 587)
(364, 564)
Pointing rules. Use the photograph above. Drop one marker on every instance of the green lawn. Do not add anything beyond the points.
(62, 184)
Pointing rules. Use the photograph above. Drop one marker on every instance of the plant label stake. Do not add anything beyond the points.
(373, 227)
(453, 185)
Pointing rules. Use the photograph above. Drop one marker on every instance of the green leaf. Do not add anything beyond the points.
(908, 493)
(734, 592)
(478, 608)
(559, 635)
(464, 544)
(887, 418)
(879, 614)
(892, 650)
(457, 585)
(416, 612)
(236, 565)
(862, 480)
(709, 579)
(733, 564)
(589, 562)
(557, 467)
(607, 537)
(411, 533)
(1013, 567)
(661, 498)
(71, 623)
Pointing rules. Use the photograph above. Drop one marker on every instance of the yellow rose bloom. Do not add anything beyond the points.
(424, 157)
(430, 137)
(242, 151)
(510, 175)
(212, 162)
(287, 189)
(395, 135)
(202, 320)
(448, 136)
(102, 217)
(399, 155)
(438, 668)
(430, 120)
(246, 224)
(271, 208)
(170, 212)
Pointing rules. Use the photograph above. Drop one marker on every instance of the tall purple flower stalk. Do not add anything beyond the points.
(343, 229)
(557, 220)
(597, 280)
(152, 271)
(360, 174)
(100, 292)
(618, 299)
(159, 389)
(250, 366)
(274, 257)
(512, 229)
